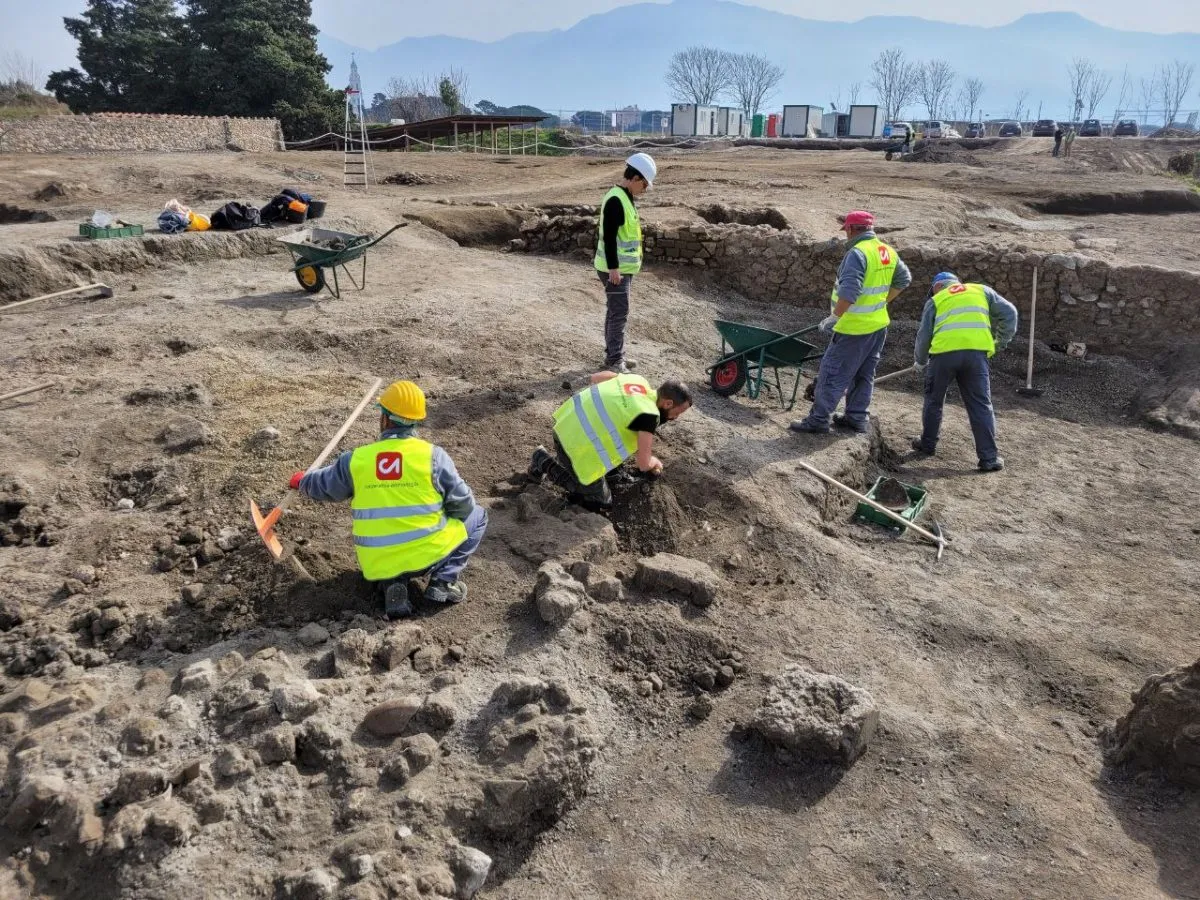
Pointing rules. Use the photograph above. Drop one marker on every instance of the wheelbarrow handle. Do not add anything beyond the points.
(738, 354)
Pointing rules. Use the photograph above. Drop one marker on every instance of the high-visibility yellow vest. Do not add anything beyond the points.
(399, 523)
(629, 236)
(962, 320)
(869, 313)
(593, 426)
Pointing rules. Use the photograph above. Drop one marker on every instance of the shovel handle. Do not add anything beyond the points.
(940, 541)
(889, 377)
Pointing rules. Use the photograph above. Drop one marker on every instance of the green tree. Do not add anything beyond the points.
(448, 91)
(133, 53)
(260, 58)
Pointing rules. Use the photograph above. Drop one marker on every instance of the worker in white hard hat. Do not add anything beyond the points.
(619, 253)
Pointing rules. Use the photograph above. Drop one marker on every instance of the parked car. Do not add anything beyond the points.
(1012, 129)
(1091, 128)
(900, 130)
(976, 130)
(935, 129)
(1045, 128)
(1126, 128)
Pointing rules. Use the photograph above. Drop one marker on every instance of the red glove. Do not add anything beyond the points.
(294, 484)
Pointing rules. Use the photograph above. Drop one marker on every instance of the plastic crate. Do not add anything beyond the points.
(917, 497)
(88, 230)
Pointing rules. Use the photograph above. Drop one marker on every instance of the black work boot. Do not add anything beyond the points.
(396, 604)
(537, 464)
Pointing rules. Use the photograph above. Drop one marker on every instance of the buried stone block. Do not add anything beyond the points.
(691, 578)
(817, 717)
(558, 596)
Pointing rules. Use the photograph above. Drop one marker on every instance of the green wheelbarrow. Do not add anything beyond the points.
(748, 351)
(316, 249)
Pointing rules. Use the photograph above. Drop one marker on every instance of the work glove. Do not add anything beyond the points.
(827, 324)
(919, 367)
(294, 482)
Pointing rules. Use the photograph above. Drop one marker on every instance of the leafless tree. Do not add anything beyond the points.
(895, 81)
(754, 80)
(935, 81)
(1124, 96)
(420, 97)
(972, 92)
(1174, 83)
(1080, 72)
(1150, 94)
(700, 75)
(1019, 109)
(21, 70)
(1095, 90)
(855, 90)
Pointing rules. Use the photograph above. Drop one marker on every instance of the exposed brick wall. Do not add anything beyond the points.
(1131, 310)
(125, 132)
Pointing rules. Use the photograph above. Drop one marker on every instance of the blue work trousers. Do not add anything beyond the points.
(847, 370)
(969, 368)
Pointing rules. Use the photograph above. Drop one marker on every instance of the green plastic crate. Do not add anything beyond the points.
(88, 230)
(917, 497)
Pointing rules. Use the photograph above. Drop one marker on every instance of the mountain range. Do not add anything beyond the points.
(618, 58)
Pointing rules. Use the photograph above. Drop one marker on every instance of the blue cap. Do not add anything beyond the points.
(943, 277)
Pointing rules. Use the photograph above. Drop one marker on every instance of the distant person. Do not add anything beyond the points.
(962, 327)
(1068, 141)
(1058, 139)
(412, 512)
(619, 253)
(871, 276)
(602, 426)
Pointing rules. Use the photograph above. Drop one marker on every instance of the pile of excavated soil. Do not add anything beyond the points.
(1162, 730)
(1172, 402)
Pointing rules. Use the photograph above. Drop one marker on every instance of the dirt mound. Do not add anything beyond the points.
(941, 152)
(474, 226)
(720, 214)
(14, 215)
(1162, 731)
(1119, 203)
(648, 517)
(419, 178)
(1173, 402)
(1183, 163)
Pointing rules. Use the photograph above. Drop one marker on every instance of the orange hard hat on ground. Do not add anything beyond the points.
(405, 400)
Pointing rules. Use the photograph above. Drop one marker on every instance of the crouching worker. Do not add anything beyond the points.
(602, 426)
(413, 514)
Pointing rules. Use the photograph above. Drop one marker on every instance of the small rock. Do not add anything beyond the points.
(191, 535)
(725, 676)
(471, 868)
(60, 813)
(144, 737)
(427, 659)
(420, 750)
(125, 504)
(701, 708)
(268, 434)
(296, 701)
(656, 682)
(399, 644)
(71, 587)
(187, 773)
(185, 434)
(278, 745)
(669, 572)
(457, 652)
(315, 884)
(25, 697)
(210, 553)
(558, 596)
(136, 785)
(312, 634)
(232, 763)
(229, 539)
(435, 715)
(705, 679)
(817, 716)
(645, 688)
(192, 594)
(392, 717)
(606, 590)
(199, 676)
(11, 614)
(84, 574)
(398, 770)
(361, 866)
(354, 652)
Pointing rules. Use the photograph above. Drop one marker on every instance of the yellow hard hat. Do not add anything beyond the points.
(404, 399)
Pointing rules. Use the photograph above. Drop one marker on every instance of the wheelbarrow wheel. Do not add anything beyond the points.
(729, 377)
(888, 155)
(311, 278)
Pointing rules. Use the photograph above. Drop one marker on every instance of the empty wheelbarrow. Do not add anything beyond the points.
(316, 249)
(748, 351)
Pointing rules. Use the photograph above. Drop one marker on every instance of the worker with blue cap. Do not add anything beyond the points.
(962, 326)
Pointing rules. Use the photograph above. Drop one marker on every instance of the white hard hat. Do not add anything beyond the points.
(644, 163)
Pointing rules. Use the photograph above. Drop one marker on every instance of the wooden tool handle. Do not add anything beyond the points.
(1032, 325)
(940, 541)
(28, 390)
(884, 378)
(74, 290)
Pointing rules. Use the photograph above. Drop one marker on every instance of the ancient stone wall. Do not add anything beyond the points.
(1131, 310)
(125, 132)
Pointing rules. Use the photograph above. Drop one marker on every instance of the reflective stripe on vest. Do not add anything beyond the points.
(399, 523)
(869, 312)
(593, 426)
(962, 320)
(629, 236)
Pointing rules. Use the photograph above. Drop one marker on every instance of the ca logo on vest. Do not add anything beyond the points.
(632, 389)
(389, 466)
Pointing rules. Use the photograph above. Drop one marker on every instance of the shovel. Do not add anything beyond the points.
(1029, 390)
(265, 525)
(881, 379)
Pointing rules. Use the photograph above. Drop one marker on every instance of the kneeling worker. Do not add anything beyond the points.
(962, 326)
(603, 425)
(413, 514)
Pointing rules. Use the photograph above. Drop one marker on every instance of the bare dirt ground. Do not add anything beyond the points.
(156, 694)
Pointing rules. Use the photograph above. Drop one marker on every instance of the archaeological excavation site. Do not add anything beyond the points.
(738, 681)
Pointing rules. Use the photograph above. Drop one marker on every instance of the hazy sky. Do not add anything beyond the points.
(35, 29)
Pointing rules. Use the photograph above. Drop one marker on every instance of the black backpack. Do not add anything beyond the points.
(275, 210)
(235, 216)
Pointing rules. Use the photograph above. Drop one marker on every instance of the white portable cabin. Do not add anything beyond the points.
(797, 120)
(730, 121)
(865, 122)
(689, 120)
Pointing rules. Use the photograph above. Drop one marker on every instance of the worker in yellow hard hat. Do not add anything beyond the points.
(413, 514)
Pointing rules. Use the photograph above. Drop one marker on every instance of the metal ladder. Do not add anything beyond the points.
(358, 170)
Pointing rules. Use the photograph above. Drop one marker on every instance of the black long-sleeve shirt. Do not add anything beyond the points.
(612, 219)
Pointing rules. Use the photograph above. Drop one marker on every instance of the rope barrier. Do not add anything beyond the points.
(532, 145)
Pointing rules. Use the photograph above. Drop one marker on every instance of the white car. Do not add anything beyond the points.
(935, 129)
